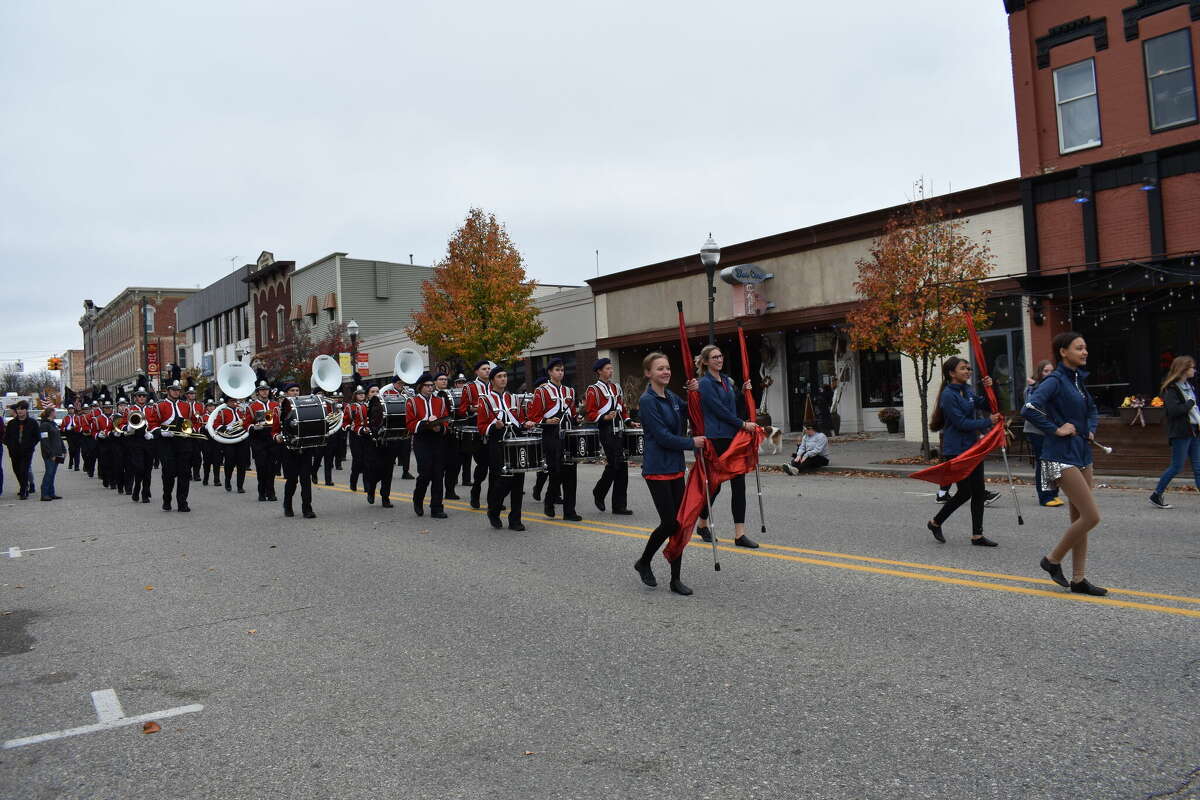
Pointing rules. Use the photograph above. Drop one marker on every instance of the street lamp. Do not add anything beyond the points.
(710, 256)
(352, 329)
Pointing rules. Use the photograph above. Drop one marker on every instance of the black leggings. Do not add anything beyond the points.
(667, 497)
(969, 488)
(737, 485)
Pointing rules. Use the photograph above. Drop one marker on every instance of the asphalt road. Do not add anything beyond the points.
(369, 653)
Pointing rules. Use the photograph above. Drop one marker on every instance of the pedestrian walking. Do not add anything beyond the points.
(663, 416)
(957, 417)
(1183, 425)
(1046, 497)
(1066, 414)
(54, 452)
(22, 436)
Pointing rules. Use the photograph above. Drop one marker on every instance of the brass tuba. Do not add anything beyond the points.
(236, 379)
(327, 373)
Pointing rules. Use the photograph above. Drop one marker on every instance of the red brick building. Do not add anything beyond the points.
(1110, 179)
(270, 301)
(134, 333)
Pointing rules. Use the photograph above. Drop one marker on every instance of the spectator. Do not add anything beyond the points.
(53, 452)
(22, 435)
(812, 453)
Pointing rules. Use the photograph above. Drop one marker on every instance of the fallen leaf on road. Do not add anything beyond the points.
(149, 588)
(424, 531)
(151, 727)
(530, 753)
(272, 547)
(252, 630)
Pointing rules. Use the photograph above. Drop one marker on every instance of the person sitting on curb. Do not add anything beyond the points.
(811, 454)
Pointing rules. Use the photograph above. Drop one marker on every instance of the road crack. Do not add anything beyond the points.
(1190, 788)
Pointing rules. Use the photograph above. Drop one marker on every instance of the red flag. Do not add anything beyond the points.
(751, 410)
(964, 463)
(695, 414)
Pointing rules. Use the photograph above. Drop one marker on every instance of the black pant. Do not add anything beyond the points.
(810, 463)
(22, 465)
(263, 450)
(175, 454)
(452, 461)
(402, 453)
(616, 471)
(104, 460)
(500, 485)
(324, 455)
(969, 488)
(88, 446)
(667, 497)
(236, 456)
(358, 459)
(381, 462)
(197, 458)
(74, 446)
(296, 469)
(737, 485)
(214, 456)
(141, 461)
(430, 451)
(120, 458)
(562, 476)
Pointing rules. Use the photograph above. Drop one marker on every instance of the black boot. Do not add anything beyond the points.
(308, 512)
(647, 575)
(474, 497)
(678, 586)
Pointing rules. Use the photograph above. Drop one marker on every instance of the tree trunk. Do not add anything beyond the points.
(924, 403)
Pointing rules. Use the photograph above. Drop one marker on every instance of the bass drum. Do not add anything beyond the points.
(385, 418)
(303, 421)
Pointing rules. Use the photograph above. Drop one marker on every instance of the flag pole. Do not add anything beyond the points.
(690, 368)
(981, 365)
(708, 504)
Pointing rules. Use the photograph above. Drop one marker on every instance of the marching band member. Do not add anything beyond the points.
(553, 407)
(120, 452)
(296, 466)
(102, 425)
(237, 455)
(74, 435)
(605, 407)
(426, 416)
(403, 448)
(198, 445)
(496, 412)
(87, 427)
(543, 475)
(468, 408)
(356, 421)
(451, 462)
(210, 449)
(140, 445)
(174, 452)
(380, 457)
(263, 412)
(461, 456)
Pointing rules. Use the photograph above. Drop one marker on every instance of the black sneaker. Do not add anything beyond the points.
(990, 497)
(1085, 587)
(790, 470)
(1157, 501)
(982, 541)
(1056, 573)
(704, 533)
(941, 497)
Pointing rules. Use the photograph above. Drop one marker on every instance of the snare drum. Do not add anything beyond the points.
(521, 454)
(468, 438)
(634, 441)
(580, 445)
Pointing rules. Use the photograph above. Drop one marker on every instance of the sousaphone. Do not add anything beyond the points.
(236, 379)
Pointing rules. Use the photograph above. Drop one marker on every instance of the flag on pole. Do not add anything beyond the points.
(963, 464)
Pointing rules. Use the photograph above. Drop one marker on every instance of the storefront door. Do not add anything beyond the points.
(808, 370)
(1004, 352)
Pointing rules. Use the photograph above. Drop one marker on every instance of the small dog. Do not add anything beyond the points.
(772, 439)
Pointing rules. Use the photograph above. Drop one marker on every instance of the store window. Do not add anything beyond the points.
(1078, 107)
(1170, 82)
(879, 373)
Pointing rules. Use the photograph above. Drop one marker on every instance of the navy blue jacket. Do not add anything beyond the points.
(1060, 398)
(962, 426)
(663, 420)
(721, 420)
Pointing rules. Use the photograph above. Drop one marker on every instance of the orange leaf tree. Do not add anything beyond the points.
(479, 302)
(924, 275)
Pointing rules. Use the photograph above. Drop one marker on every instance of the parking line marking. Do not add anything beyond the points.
(109, 715)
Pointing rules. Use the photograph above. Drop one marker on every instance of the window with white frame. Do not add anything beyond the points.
(1078, 106)
(279, 323)
(1170, 80)
(264, 335)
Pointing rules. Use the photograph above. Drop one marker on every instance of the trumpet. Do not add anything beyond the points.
(135, 421)
(185, 429)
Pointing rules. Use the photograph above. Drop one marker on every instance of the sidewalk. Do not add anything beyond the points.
(867, 452)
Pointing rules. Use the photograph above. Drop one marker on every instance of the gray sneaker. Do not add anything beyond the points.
(790, 470)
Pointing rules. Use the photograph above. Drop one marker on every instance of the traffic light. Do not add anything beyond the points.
(54, 363)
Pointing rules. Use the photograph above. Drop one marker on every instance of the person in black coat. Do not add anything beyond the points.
(54, 452)
(22, 436)
(1183, 425)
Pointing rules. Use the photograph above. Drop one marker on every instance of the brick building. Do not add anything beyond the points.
(73, 373)
(270, 285)
(1110, 180)
(134, 332)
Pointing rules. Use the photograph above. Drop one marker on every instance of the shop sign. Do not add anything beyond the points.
(745, 274)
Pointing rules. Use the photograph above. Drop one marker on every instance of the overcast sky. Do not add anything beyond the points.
(147, 143)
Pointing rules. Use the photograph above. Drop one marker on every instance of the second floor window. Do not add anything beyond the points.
(1078, 109)
(1170, 82)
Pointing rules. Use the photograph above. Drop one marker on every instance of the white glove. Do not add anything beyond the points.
(45, 435)
(149, 436)
(168, 433)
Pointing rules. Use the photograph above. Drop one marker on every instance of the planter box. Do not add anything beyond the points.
(1153, 416)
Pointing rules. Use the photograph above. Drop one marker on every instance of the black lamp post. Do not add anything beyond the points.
(710, 256)
(352, 329)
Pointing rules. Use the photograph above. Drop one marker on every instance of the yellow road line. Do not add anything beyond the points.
(766, 551)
